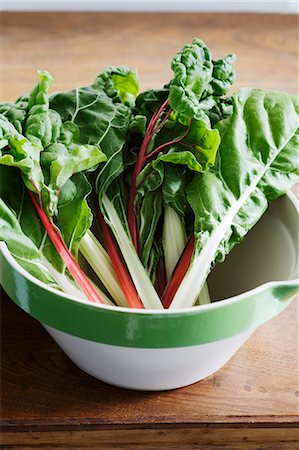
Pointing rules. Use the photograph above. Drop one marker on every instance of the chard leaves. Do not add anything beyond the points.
(257, 162)
(167, 173)
(101, 121)
(192, 68)
(15, 112)
(21, 247)
(219, 161)
(42, 124)
(19, 152)
(74, 216)
(61, 162)
(20, 227)
(197, 77)
(120, 83)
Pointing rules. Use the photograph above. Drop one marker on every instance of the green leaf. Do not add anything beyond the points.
(27, 240)
(15, 112)
(42, 124)
(74, 216)
(119, 83)
(21, 247)
(104, 122)
(150, 213)
(257, 162)
(198, 149)
(193, 69)
(60, 162)
(223, 76)
(14, 193)
(17, 151)
(90, 109)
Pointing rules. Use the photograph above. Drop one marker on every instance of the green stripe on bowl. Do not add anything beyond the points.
(146, 329)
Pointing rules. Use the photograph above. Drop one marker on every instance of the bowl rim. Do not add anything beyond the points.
(193, 309)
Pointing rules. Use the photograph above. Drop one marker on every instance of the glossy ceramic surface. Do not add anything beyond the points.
(150, 369)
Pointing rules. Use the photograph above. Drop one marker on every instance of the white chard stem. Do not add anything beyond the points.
(143, 284)
(98, 259)
(70, 288)
(174, 239)
(174, 242)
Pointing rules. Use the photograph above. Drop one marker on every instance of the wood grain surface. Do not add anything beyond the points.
(47, 402)
(75, 47)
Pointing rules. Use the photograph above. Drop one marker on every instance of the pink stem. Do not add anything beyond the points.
(137, 169)
(161, 125)
(167, 144)
(156, 116)
(68, 259)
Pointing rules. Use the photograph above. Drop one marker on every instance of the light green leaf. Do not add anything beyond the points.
(60, 162)
(198, 149)
(20, 227)
(17, 151)
(119, 82)
(21, 247)
(223, 76)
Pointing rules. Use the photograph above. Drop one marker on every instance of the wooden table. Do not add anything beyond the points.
(252, 403)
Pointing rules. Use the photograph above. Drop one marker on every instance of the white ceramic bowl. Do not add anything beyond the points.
(154, 350)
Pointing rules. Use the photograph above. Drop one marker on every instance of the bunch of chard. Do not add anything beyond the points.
(143, 193)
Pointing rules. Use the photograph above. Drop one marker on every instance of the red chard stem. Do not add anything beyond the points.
(68, 259)
(121, 272)
(179, 273)
(141, 159)
(168, 144)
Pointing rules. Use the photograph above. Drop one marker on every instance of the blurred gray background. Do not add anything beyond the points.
(153, 5)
